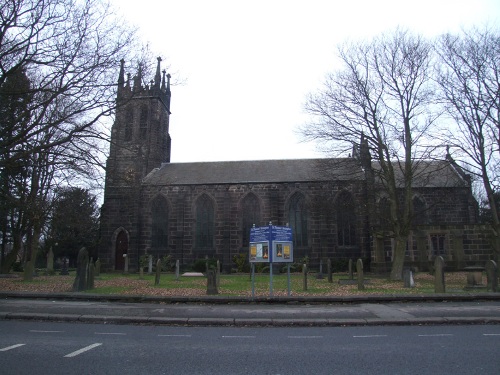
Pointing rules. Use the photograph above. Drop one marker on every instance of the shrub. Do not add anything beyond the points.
(241, 261)
(199, 265)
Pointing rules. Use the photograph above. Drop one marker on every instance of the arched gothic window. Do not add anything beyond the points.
(250, 215)
(204, 222)
(346, 220)
(419, 211)
(297, 218)
(159, 225)
(143, 125)
(129, 120)
(384, 212)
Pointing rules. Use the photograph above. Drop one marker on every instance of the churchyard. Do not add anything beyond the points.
(171, 285)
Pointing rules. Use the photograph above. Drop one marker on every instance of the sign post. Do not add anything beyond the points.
(270, 244)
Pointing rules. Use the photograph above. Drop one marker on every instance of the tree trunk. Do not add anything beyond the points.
(29, 270)
(399, 258)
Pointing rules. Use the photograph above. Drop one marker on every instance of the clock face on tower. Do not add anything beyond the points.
(130, 175)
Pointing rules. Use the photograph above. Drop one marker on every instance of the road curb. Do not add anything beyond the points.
(235, 322)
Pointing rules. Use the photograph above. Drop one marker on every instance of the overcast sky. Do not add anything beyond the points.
(249, 65)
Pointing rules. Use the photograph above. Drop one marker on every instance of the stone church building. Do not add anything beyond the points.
(194, 210)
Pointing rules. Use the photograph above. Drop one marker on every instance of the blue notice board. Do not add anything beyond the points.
(271, 244)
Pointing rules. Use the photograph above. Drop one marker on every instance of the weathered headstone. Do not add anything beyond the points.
(28, 274)
(177, 270)
(217, 274)
(329, 269)
(212, 282)
(304, 272)
(158, 272)
(50, 262)
(319, 276)
(351, 274)
(206, 263)
(90, 274)
(359, 271)
(82, 263)
(150, 265)
(492, 275)
(125, 266)
(64, 267)
(439, 284)
(98, 267)
(408, 278)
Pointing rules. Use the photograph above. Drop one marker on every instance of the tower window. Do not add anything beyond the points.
(143, 126)
(128, 124)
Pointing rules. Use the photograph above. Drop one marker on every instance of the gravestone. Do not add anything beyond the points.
(319, 276)
(408, 278)
(82, 263)
(158, 272)
(177, 268)
(90, 274)
(329, 269)
(212, 282)
(150, 265)
(125, 267)
(359, 271)
(50, 262)
(439, 284)
(351, 274)
(64, 267)
(98, 267)
(304, 272)
(217, 274)
(492, 275)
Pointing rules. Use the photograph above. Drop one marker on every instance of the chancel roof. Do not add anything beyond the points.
(255, 171)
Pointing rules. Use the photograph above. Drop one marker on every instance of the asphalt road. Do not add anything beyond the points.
(61, 348)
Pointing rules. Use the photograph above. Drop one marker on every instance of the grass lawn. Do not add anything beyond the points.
(236, 285)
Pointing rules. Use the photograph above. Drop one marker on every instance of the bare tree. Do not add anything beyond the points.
(382, 94)
(469, 78)
(66, 54)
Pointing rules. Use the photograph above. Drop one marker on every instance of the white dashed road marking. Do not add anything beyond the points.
(11, 347)
(82, 350)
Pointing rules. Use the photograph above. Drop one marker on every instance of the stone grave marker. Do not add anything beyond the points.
(304, 273)
(50, 262)
(158, 272)
(359, 271)
(212, 282)
(177, 268)
(64, 267)
(150, 265)
(98, 267)
(82, 263)
(492, 275)
(319, 276)
(329, 269)
(439, 284)
(408, 278)
(351, 274)
(90, 274)
(125, 267)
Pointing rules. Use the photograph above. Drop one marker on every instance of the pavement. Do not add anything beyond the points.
(435, 309)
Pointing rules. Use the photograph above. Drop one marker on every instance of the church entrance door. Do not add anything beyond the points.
(121, 249)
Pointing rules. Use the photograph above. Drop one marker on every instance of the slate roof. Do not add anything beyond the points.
(255, 171)
(429, 174)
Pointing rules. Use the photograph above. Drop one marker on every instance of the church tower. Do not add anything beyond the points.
(140, 142)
